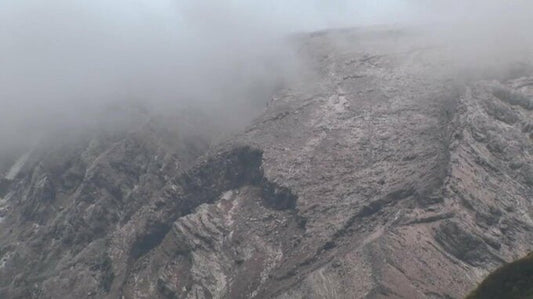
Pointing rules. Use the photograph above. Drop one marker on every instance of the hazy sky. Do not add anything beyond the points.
(61, 60)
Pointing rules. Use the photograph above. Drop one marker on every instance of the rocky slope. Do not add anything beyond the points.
(396, 172)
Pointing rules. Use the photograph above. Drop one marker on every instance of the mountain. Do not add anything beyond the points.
(397, 170)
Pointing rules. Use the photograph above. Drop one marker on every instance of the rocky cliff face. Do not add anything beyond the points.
(396, 172)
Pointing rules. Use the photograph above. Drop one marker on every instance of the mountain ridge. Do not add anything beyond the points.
(392, 173)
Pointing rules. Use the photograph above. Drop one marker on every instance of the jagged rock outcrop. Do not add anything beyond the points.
(391, 174)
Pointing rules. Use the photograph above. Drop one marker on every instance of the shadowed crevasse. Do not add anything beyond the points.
(206, 182)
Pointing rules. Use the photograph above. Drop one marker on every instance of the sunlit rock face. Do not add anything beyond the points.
(397, 170)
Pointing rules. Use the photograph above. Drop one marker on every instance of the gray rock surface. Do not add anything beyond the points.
(393, 173)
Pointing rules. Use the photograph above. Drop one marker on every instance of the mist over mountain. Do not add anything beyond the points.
(285, 149)
(65, 62)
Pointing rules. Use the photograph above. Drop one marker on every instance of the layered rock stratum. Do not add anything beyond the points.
(397, 170)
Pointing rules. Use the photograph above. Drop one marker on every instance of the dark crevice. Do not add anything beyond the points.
(464, 245)
(277, 197)
(153, 237)
(204, 184)
(376, 206)
(107, 275)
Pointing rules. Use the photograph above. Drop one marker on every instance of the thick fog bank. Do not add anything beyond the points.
(68, 65)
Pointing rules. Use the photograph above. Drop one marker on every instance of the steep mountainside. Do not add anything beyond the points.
(397, 172)
(61, 200)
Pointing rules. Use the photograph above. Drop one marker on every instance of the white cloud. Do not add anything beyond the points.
(62, 59)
